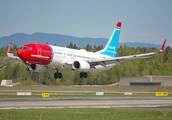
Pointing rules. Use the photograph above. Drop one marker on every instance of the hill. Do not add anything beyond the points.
(62, 40)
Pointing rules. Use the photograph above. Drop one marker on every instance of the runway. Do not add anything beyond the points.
(145, 102)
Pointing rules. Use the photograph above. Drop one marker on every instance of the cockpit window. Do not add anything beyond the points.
(24, 47)
(29, 48)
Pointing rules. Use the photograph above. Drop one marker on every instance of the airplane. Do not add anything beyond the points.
(39, 56)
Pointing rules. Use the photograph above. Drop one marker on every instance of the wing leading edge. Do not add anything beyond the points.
(117, 60)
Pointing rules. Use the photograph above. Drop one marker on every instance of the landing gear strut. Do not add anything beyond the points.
(83, 74)
(57, 75)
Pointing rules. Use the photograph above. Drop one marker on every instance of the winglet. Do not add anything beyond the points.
(10, 55)
(9, 49)
(162, 48)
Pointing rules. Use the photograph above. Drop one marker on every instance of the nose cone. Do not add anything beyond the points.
(21, 53)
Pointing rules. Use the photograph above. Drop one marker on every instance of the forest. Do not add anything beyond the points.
(158, 64)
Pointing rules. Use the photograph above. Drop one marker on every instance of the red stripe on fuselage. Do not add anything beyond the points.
(36, 53)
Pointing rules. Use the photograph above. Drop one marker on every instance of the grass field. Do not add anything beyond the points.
(85, 114)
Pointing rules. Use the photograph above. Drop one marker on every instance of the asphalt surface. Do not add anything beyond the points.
(54, 91)
(136, 102)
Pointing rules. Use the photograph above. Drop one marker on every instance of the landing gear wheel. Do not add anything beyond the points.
(83, 74)
(57, 75)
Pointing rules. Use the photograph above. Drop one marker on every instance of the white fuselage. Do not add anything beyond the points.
(62, 55)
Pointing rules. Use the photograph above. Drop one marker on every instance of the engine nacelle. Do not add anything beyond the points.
(81, 65)
(37, 68)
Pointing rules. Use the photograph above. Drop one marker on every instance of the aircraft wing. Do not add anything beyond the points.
(117, 60)
(10, 55)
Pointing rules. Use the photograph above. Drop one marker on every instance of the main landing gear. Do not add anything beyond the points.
(83, 74)
(57, 75)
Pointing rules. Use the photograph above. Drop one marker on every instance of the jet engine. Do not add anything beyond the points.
(81, 65)
(37, 68)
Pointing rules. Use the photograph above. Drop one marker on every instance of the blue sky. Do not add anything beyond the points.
(148, 21)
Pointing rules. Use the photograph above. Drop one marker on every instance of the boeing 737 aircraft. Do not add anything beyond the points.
(39, 56)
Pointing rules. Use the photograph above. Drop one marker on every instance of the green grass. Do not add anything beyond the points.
(166, 106)
(83, 95)
(85, 114)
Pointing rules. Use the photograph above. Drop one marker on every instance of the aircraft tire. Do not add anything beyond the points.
(85, 75)
(59, 75)
(55, 75)
(81, 75)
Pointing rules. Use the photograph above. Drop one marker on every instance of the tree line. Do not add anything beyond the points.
(158, 64)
